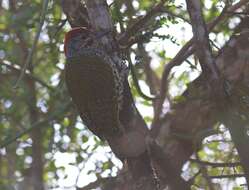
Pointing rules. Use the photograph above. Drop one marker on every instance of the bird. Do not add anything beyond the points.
(93, 82)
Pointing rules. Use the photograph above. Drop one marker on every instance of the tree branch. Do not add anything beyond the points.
(29, 75)
(217, 165)
(203, 48)
(187, 50)
(226, 176)
(137, 26)
(31, 52)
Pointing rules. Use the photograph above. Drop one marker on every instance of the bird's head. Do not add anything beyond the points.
(74, 38)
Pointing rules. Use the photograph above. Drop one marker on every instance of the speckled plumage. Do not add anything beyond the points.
(94, 82)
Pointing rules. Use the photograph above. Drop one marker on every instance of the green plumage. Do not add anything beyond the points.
(91, 84)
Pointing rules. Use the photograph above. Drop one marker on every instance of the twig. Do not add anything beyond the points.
(135, 39)
(238, 13)
(12, 67)
(152, 79)
(192, 66)
(31, 52)
(214, 45)
(216, 165)
(165, 10)
(226, 176)
(61, 25)
(140, 23)
(135, 80)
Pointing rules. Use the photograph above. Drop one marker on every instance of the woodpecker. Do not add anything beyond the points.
(94, 82)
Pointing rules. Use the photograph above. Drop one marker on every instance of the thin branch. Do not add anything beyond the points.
(60, 26)
(216, 165)
(226, 176)
(203, 50)
(29, 75)
(31, 52)
(165, 10)
(151, 77)
(135, 80)
(140, 23)
(238, 13)
(142, 38)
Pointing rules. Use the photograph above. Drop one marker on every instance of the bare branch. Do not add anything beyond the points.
(31, 52)
(29, 75)
(226, 176)
(203, 48)
(217, 165)
(136, 83)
